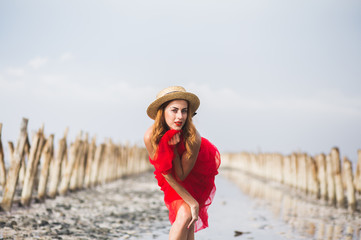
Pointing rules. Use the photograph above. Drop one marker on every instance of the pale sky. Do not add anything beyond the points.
(272, 76)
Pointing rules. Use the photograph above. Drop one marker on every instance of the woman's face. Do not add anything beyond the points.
(175, 114)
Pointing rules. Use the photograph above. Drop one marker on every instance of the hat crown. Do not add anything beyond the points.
(170, 90)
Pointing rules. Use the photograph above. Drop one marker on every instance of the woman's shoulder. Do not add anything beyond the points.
(147, 141)
(148, 133)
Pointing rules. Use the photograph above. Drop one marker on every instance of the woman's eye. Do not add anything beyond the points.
(184, 111)
(174, 110)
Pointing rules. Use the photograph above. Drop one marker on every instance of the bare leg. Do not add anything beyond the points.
(179, 230)
(191, 233)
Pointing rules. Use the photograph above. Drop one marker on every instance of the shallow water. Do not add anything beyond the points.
(301, 216)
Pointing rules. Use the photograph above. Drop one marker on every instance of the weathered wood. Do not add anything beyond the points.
(11, 149)
(350, 190)
(82, 163)
(295, 169)
(336, 165)
(94, 180)
(331, 193)
(23, 162)
(312, 180)
(55, 171)
(15, 165)
(74, 151)
(74, 172)
(357, 180)
(322, 175)
(2, 162)
(47, 156)
(89, 162)
(32, 167)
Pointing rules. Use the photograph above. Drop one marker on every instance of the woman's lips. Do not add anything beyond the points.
(178, 123)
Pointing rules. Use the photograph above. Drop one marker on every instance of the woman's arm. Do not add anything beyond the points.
(185, 195)
(185, 163)
(148, 144)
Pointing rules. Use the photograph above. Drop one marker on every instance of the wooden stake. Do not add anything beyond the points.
(82, 163)
(47, 156)
(330, 180)
(357, 180)
(74, 172)
(89, 162)
(55, 171)
(23, 162)
(96, 164)
(322, 175)
(336, 165)
(347, 168)
(312, 180)
(13, 174)
(32, 167)
(64, 184)
(2, 162)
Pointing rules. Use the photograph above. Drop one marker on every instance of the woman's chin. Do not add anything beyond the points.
(176, 128)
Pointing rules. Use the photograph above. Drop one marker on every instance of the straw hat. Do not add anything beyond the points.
(173, 93)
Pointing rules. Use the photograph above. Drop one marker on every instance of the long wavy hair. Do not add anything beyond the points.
(189, 131)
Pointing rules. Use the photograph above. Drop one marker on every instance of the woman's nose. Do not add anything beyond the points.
(179, 114)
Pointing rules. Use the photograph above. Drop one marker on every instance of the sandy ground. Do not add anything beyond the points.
(132, 208)
(124, 209)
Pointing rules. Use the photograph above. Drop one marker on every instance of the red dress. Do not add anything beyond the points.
(199, 182)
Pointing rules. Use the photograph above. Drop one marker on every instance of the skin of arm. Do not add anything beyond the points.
(184, 164)
(185, 195)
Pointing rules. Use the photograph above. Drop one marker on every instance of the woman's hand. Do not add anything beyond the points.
(194, 212)
(175, 139)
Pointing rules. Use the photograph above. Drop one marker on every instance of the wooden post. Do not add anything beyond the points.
(347, 170)
(312, 180)
(32, 167)
(23, 162)
(294, 168)
(74, 172)
(322, 176)
(74, 149)
(330, 180)
(47, 157)
(84, 156)
(13, 174)
(303, 171)
(2, 162)
(96, 164)
(56, 166)
(336, 165)
(357, 180)
(89, 162)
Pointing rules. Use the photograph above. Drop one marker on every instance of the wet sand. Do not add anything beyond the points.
(125, 209)
(132, 208)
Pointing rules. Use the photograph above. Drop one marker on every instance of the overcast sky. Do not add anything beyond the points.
(272, 76)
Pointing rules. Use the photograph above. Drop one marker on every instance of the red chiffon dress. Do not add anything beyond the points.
(199, 182)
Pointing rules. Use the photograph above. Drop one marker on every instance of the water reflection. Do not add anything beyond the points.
(304, 214)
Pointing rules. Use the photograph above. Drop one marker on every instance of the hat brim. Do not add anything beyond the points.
(192, 99)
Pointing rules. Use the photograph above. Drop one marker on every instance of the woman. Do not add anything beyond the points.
(185, 163)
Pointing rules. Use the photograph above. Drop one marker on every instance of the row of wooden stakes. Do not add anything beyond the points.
(35, 167)
(321, 176)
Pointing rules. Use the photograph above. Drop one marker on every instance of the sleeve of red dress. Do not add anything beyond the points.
(165, 153)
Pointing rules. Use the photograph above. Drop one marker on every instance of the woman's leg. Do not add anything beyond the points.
(191, 233)
(179, 230)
